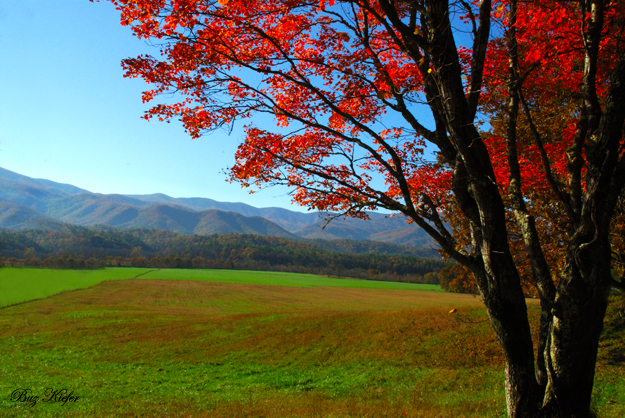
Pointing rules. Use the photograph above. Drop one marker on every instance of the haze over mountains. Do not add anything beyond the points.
(43, 204)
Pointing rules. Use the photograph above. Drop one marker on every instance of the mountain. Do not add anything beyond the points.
(48, 204)
(287, 219)
(92, 209)
(28, 203)
(30, 192)
(379, 227)
(390, 229)
(16, 216)
(63, 187)
(189, 222)
(410, 235)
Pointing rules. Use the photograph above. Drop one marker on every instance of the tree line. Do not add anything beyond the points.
(78, 247)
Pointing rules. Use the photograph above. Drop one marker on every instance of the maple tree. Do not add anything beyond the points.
(525, 104)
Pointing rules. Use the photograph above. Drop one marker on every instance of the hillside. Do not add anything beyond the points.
(287, 219)
(16, 216)
(43, 184)
(70, 246)
(185, 221)
(379, 227)
(47, 204)
(104, 240)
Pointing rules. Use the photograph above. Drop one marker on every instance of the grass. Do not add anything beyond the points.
(19, 285)
(23, 284)
(176, 348)
(281, 279)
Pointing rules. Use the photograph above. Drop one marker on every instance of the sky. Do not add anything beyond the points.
(67, 114)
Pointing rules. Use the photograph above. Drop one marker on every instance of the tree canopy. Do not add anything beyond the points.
(523, 103)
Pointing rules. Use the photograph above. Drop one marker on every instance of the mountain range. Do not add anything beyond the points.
(27, 203)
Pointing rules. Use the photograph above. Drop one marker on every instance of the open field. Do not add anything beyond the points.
(178, 348)
(22, 284)
(281, 279)
(18, 285)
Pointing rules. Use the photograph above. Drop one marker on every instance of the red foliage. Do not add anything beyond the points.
(550, 37)
(527, 124)
(342, 91)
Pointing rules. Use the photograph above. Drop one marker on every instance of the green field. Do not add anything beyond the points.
(22, 284)
(226, 348)
(18, 285)
(280, 279)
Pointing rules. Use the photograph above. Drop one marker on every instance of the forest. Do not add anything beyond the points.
(79, 247)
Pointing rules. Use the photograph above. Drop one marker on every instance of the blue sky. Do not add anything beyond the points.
(68, 115)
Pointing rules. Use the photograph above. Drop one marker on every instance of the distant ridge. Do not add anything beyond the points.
(47, 204)
(16, 216)
(67, 188)
(287, 219)
(186, 221)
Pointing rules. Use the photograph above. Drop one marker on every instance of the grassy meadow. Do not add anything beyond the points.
(180, 343)
(23, 284)
(19, 285)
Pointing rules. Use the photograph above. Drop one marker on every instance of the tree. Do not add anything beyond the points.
(348, 83)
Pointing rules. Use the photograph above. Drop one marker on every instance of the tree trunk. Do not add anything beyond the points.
(574, 324)
(513, 332)
(579, 310)
(500, 285)
(573, 342)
